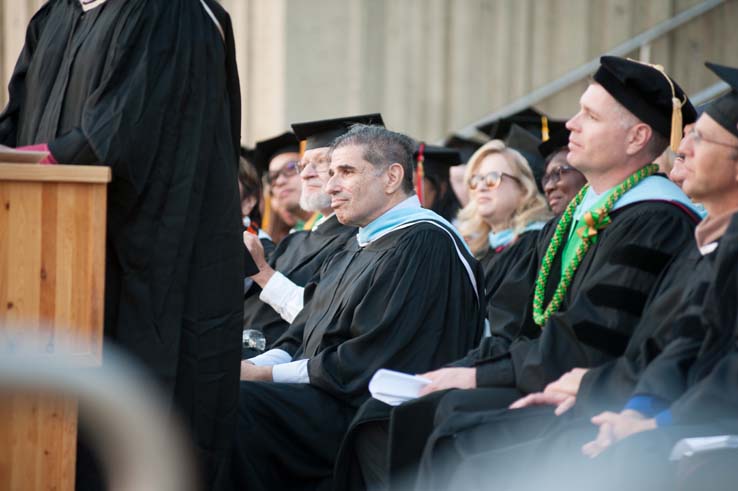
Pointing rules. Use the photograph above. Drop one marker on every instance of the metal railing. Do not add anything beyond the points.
(139, 445)
(642, 42)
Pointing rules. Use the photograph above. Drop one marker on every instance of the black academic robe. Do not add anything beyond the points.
(150, 88)
(601, 307)
(674, 310)
(674, 307)
(697, 380)
(403, 302)
(495, 264)
(703, 390)
(299, 257)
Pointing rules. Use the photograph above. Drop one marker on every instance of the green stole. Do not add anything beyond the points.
(574, 240)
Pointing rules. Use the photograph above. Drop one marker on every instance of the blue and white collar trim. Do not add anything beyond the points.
(503, 238)
(651, 188)
(407, 214)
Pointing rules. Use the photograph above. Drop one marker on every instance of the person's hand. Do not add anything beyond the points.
(562, 401)
(568, 383)
(561, 393)
(614, 427)
(256, 249)
(449, 378)
(255, 373)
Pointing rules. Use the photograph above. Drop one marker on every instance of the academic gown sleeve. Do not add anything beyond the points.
(421, 309)
(603, 304)
(704, 349)
(674, 310)
(666, 376)
(291, 340)
(714, 398)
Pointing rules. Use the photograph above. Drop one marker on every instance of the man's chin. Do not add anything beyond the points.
(343, 218)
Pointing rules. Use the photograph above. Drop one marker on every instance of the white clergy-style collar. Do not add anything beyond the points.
(88, 5)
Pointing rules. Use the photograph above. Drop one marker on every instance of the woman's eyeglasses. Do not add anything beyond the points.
(554, 176)
(491, 180)
(288, 170)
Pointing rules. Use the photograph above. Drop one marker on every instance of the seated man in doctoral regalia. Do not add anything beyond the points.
(404, 295)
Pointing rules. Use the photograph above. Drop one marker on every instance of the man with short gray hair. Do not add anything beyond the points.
(405, 295)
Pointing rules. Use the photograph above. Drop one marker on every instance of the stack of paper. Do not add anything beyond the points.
(10, 155)
(394, 388)
(686, 447)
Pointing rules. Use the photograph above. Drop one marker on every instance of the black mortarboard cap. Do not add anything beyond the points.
(532, 120)
(465, 146)
(266, 150)
(724, 109)
(322, 133)
(558, 140)
(437, 160)
(527, 144)
(649, 93)
(247, 153)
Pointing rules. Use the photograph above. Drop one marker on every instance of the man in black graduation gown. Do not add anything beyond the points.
(404, 295)
(691, 315)
(299, 256)
(624, 123)
(689, 389)
(151, 90)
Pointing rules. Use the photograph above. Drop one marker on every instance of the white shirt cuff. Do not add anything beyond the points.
(295, 372)
(271, 357)
(285, 297)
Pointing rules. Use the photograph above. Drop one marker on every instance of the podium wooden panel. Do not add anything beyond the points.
(52, 273)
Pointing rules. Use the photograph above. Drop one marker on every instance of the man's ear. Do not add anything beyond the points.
(395, 176)
(637, 139)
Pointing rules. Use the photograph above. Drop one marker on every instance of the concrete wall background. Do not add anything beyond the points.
(430, 66)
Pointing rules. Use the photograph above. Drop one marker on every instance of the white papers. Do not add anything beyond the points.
(394, 388)
(10, 155)
(686, 447)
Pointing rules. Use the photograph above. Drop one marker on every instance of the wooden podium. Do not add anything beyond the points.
(52, 275)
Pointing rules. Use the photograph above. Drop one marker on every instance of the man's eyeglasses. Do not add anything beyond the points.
(491, 180)
(698, 137)
(320, 166)
(288, 170)
(554, 176)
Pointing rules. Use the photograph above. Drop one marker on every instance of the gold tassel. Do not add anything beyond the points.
(266, 221)
(676, 108)
(544, 128)
(676, 124)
